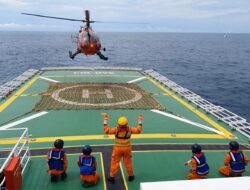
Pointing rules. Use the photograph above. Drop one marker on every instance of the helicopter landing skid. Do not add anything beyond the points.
(72, 56)
(101, 56)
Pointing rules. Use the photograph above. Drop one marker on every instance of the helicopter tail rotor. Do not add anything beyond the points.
(87, 15)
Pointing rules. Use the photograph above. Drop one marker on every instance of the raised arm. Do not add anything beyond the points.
(106, 128)
(138, 129)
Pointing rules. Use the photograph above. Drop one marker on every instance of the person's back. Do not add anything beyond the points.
(200, 168)
(235, 161)
(122, 147)
(57, 161)
(88, 164)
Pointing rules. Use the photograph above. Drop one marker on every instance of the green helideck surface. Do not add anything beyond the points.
(169, 166)
(75, 123)
(36, 176)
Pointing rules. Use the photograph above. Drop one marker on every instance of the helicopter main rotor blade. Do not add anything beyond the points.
(119, 22)
(70, 19)
(87, 15)
(87, 19)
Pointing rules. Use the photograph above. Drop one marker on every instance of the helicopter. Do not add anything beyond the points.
(88, 43)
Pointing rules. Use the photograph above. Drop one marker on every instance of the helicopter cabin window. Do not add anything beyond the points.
(93, 39)
(84, 37)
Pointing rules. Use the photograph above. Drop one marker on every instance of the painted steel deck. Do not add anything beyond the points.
(159, 152)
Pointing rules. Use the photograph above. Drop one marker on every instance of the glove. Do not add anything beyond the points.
(140, 118)
(187, 162)
(105, 119)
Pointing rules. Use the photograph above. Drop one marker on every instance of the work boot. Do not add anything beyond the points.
(53, 178)
(63, 176)
(131, 178)
(235, 175)
(87, 184)
(111, 180)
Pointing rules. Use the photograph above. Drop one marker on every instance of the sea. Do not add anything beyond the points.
(214, 66)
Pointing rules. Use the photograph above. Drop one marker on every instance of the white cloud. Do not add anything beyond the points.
(169, 14)
(14, 3)
(20, 26)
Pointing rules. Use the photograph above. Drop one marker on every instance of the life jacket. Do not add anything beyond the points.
(123, 133)
(237, 163)
(87, 165)
(202, 166)
(56, 159)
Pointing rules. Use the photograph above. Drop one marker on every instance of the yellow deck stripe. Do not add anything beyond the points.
(103, 172)
(18, 93)
(123, 177)
(62, 76)
(102, 137)
(200, 114)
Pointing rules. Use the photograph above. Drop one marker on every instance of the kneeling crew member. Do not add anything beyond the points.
(122, 147)
(88, 164)
(57, 161)
(235, 161)
(200, 168)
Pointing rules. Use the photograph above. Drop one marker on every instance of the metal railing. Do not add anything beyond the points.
(7, 88)
(233, 120)
(21, 149)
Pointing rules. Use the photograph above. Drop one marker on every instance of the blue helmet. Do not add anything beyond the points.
(59, 143)
(234, 145)
(196, 149)
(87, 150)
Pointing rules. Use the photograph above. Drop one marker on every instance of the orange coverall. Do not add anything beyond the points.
(65, 163)
(226, 170)
(122, 147)
(90, 178)
(193, 174)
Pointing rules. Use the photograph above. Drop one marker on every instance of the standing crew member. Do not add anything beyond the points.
(57, 161)
(200, 168)
(88, 164)
(235, 161)
(122, 147)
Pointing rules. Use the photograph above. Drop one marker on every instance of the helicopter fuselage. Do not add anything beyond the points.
(88, 42)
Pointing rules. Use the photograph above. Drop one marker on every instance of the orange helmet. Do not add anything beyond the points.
(122, 121)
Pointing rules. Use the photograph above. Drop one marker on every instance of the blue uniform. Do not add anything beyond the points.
(87, 165)
(237, 163)
(56, 159)
(202, 166)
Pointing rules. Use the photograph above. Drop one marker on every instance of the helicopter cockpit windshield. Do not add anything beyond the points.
(85, 37)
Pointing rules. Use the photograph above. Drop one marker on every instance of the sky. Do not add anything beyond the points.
(206, 16)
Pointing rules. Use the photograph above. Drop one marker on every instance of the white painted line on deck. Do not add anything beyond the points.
(23, 120)
(48, 79)
(188, 121)
(136, 80)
